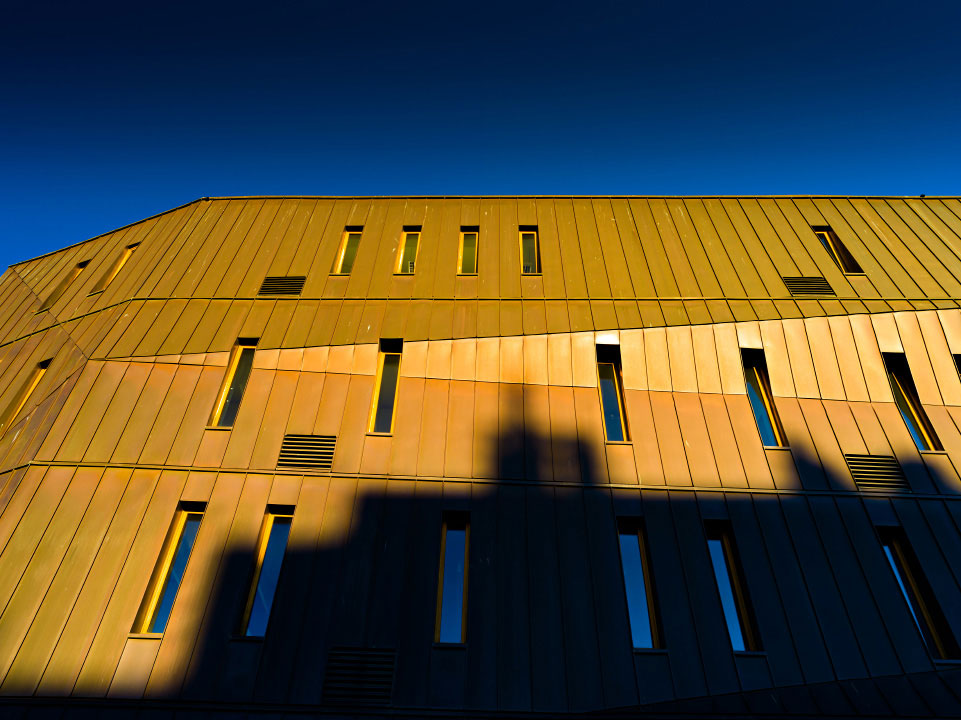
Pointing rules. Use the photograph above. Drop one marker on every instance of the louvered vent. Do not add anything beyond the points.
(289, 285)
(877, 472)
(359, 676)
(307, 451)
(808, 286)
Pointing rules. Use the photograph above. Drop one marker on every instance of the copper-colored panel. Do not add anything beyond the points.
(951, 324)
(484, 463)
(538, 453)
(511, 433)
(595, 268)
(729, 467)
(923, 243)
(574, 280)
(825, 360)
(833, 433)
(94, 408)
(749, 268)
(439, 359)
(799, 356)
(700, 455)
(407, 424)
(413, 362)
(852, 376)
(647, 460)
(460, 430)
(875, 376)
(918, 360)
(488, 360)
(945, 369)
(584, 359)
(657, 359)
(465, 319)
(802, 446)
(776, 357)
(875, 440)
(273, 423)
(463, 359)
(507, 248)
(669, 440)
(590, 436)
(903, 446)
(441, 320)
(375, 458)
(535, 359)
(116, 415)
(680, 350)
(512, 359)
(167, 421)
(714, 251)
(351, 427)
(197, 413)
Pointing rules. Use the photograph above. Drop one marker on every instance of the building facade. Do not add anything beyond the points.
(487, 457)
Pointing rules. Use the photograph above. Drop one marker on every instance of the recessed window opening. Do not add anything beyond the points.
(235, 381)
(957, 362)
(735, 603)
(384, 405)
(467, 250)
(909, 404)
(610, 387)
(19, 400)
(451, 622)
(530, 250)
(836, 249)
(268, 560)
(758, 386)
(407, 252)
(638, 584)
(63, 285)
(114, 269)
(347, 253)
(918, 594)
(169, 570)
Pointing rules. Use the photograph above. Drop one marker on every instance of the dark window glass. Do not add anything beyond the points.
(917, 592)
(638, 586)
(386, 391)
(908, 402)
(762, 400)
(836, 249)
(530, 254)
(408, 253)
(468, 253)
(155, 611)
(235, 387)
(733, 593)
(267, 573)
(453, 582)
(612, 397)
(348, 253)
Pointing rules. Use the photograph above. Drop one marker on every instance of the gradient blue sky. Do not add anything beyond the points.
(113, 112)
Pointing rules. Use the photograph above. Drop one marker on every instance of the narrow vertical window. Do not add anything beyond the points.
(385, 386)
(957, 362)
(638, 585)
(344, 262)
(169, 571)
(530, 250)
(908, 402)
(451, 623)
(63, 285)
(407, 252)
(762, 400)
(467, 252)
(235, 381)
(917, 592)
(19, 400)
(271, 546)
(612, 395)
(114, 269)
(731, 588)
(836, 249)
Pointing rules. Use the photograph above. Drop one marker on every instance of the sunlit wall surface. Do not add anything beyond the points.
(487, 457)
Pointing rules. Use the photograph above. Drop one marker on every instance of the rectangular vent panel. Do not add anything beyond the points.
(808, 286)
(307, 451)
(877, 472)
(289, 285)
(359, 676)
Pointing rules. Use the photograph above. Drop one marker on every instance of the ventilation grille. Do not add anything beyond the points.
(307, 451)
(290, 285)
(359, 676)
(877, 472)
(808, 286)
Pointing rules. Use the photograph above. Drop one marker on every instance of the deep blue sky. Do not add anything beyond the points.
(112, 112)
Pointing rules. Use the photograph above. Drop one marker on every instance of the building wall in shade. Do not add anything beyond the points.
(498, 416)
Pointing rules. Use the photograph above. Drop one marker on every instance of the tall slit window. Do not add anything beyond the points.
(638, 584)
(114, 269)
(612, 393)
(347, 252)
(836, 249)
(731, 588)
(269, 558)
(407, 252)
(758, 386)
(383, 408)
(19, 400)
(908, 402)
(917, 592)
(530, 250)
(63, 285)
(451, 622)
(235, 381)
(169, 571)
(467, 250)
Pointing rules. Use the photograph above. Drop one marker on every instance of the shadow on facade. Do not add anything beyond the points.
(547, 622)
